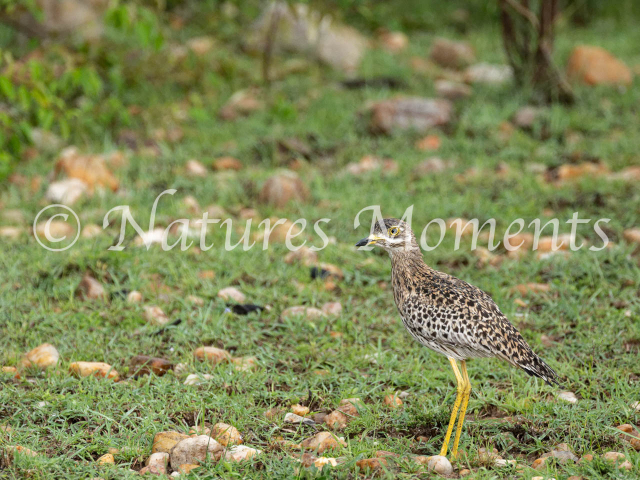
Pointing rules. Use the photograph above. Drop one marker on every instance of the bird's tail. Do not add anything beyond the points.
(536, 367)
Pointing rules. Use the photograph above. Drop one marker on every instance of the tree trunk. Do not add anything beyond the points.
(528, 43)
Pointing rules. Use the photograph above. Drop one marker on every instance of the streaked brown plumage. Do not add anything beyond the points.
(449, 315)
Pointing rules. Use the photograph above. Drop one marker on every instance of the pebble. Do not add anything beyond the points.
(320, 462)
(273, 413)
(562, 452)
(195, 168)
(310, 313)
(143, 365)
(134, 297)
(155, 470)
(539, 463)
(626, 465)
(239, 453)
(526, 116)
(293, 418)
(163, 442)
(392, 401)
(410, 113)
(636, 406)
(632, 235)
(232, 293)
(488, 73)
(97, 369)
(43, 356)
(212, 354)
(394, 42)
(158, 459)
(613, 457)
(55, 228)
(243, 364)
(67, 191)
(568, 397)
(451, 54)
(198, 301)
(452, 90)
(282, 188)
(186, 468)
(150, 237)
(227, 163)
(11, 450)
(91, 231)
(193, 450)
(332, 308)
(347, 410)
(107, 458)
(439, 464)
(300, 410)
(91, 289)
(371, 463)
(304, 256)
(428, 143)
(11, 233)
(323, 441)
(206, 274)
(180, 369)
(197, 378)
(199, 430)
(155, 316)
(226, 434)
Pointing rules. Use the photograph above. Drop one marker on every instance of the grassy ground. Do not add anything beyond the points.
(590, 314)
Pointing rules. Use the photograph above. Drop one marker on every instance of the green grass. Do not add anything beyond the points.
(591, 312)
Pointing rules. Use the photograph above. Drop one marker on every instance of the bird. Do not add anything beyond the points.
(451, 317)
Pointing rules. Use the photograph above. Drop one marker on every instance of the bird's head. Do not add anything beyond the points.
(391, 234)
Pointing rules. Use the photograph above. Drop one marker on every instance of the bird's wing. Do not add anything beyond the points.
(475, 326)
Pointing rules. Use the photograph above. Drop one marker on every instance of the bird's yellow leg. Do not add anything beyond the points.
(463, 408)
(456, 406)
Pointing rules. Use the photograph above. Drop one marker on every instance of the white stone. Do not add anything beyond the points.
(194, 450)
(155, 315)
(197, 378)
(293, 418)
(67, 191)
(158, 459)
(568, 397)
(196, 169)
(134, 297)
(149, 238)
(238, 453)
(440, 464)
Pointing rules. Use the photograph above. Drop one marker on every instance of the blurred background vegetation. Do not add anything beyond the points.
(76, 71)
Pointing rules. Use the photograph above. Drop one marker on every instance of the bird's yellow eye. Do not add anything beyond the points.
(393, 231)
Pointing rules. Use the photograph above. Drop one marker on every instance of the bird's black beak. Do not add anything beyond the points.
(363, 242)
(370, 240)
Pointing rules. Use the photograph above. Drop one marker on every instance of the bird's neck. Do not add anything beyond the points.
(408, 266)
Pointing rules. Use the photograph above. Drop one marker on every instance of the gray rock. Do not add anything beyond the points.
(488, 73)
(416, 113)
